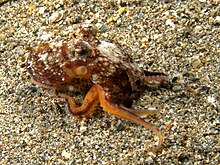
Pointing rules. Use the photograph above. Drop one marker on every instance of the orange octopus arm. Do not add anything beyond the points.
(88, 106)
(122, 112)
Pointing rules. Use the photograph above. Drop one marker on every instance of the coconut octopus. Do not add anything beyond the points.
(100, 69)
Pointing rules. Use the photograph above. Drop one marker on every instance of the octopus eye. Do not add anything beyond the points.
(82, 48)
(71, 52)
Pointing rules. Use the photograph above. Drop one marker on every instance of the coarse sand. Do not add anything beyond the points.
(180, 38)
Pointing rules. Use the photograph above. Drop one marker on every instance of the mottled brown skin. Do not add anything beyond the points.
(100, 68)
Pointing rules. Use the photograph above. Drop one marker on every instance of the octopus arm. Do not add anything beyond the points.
(143, 112)
(88, 106)
(122, 112)
(155, 79)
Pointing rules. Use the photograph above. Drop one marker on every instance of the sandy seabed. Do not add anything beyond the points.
(180, 38)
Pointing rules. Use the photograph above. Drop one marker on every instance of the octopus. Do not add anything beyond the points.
(102, 70)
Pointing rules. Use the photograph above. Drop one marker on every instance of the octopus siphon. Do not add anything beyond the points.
(102, 70)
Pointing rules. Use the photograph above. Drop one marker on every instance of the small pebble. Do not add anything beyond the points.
(42, 10)
(176, 88)
(169, 22)
(211, 99)
(145, 40)
(196, 63)
(198, 28)
(65, 154)
(55, 17)
(217, 19)
(46, 37)
(122, 10)
(83, 128)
